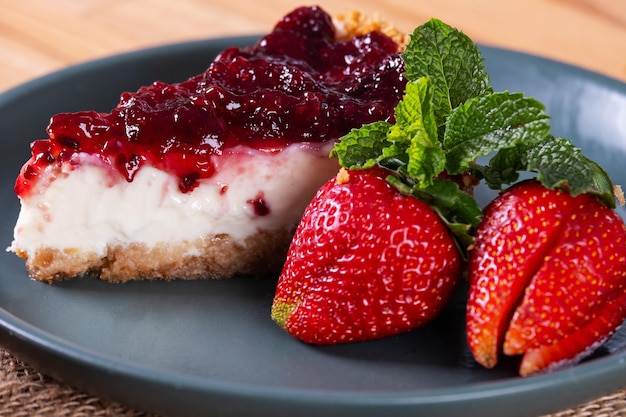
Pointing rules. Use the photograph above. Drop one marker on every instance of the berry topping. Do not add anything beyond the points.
(297, 84)
(259, 206)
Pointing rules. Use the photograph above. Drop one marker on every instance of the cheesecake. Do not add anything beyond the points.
(207, 177)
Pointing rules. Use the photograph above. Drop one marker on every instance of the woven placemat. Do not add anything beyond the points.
(24, 392)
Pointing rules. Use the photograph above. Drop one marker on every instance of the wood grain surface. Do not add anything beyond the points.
(41, 36)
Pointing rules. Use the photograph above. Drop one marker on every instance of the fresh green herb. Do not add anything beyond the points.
(450, 117)
(453, 63)
(557, 162)
(485, 124)
(410, 146)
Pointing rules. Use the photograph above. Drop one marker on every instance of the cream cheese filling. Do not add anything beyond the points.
(86, 206)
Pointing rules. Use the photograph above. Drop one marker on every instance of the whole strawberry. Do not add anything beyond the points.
(366, 262)
(547, 278)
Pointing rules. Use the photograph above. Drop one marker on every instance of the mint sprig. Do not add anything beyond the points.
(450, 117)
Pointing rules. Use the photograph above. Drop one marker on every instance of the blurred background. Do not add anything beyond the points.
(41, 36)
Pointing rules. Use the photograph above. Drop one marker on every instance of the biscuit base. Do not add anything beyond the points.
(209, 257)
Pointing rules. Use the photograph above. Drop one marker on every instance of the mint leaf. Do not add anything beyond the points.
(504, 167)
(416, 129)
(451, 60)
(361, 147)
(395, 157)
(485, 124)
(559, 163)
(416, 108)
(426, 159)
(411, 146)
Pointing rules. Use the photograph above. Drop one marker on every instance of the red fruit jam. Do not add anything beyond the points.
(259, 206)
(297, 84)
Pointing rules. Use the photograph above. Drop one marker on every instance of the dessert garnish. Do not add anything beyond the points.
(546, 260)
(547, 277)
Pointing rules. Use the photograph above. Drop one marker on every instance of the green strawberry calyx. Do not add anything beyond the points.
(451, 124)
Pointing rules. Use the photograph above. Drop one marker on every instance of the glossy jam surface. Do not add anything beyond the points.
(297, 84)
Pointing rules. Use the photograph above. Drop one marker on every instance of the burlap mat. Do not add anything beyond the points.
(25, 392)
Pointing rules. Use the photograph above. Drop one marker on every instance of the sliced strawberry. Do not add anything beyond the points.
(547, 269)
(366, 262)
(576, 345)
(584, 271)
(509, 247)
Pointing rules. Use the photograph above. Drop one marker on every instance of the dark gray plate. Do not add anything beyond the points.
(210, 348)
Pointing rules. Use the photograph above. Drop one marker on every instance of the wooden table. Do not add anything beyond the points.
(41, 36)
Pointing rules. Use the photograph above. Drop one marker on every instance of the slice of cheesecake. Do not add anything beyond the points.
(209, 177)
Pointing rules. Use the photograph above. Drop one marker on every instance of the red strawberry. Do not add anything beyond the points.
(547, 277)
(366, 262)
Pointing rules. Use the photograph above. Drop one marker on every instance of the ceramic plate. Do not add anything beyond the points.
(210, 348)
